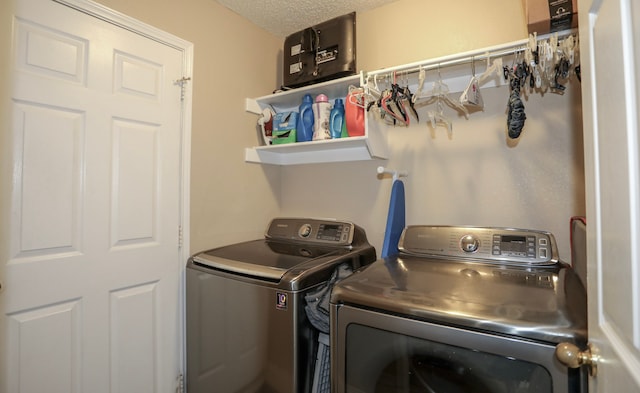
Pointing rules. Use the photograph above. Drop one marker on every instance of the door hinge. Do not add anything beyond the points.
(180, 384)
(180, 237)
(182, 82)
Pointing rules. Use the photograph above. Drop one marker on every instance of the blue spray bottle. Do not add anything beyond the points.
(336, 119)
(304, 129)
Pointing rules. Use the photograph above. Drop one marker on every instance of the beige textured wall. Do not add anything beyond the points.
(406, 31)
(233, 59)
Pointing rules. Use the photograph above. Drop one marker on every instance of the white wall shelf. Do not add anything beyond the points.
(370, 146)
(332, 150)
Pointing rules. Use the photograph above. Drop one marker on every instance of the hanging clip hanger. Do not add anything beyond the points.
(439, 118)
(471, 95)
(422, 74)
(440, 90)
(532, 58)
(568, 46)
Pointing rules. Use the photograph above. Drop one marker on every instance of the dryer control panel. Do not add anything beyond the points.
(501, 245)
(309, 230)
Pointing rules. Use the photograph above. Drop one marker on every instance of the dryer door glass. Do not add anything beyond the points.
(380, 361)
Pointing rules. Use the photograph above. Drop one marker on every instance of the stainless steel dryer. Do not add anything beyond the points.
(247, 330)
(459, 310)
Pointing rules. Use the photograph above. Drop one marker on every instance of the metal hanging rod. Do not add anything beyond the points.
(466, 57)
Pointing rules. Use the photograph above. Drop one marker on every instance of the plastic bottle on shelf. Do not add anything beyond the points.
(345, 133)
(336, 119)
(304, 129)
(321, 115)
(354, 113)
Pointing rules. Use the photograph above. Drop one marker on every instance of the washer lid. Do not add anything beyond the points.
(540, 303)
(263, 258)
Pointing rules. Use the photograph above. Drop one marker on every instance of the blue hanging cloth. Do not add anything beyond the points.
(395, 220)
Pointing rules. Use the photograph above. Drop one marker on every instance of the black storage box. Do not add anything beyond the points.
(320, 53)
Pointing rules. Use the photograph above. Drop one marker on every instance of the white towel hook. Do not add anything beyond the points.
(396, 174)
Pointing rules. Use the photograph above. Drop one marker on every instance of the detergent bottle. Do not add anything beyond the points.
(304, 129)
(336, 120)
(345, 133)
(321, 114)
(354, 112)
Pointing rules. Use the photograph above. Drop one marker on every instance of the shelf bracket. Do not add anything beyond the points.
(252, 106)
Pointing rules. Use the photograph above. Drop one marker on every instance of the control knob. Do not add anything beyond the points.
(305, 231)
(469, 243)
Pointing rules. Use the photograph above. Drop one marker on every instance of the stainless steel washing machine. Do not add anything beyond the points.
(247, 329)
(459, 309)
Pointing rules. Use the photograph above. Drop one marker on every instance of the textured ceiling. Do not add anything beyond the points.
(284, 17)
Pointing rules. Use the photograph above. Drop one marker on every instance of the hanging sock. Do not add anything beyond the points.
(395, 220)
(515, 114)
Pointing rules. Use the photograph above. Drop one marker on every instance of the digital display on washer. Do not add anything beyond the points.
(330, 232)
(513, 245)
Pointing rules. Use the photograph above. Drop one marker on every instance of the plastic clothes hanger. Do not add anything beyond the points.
(440, 92)
(373, 96)
(356, 96)
(496, 67)
(392, 103)
(553, 44)
(393, 107)
(438, 117)
(471, 95)
(404, 94)
(372, 92)
(385, 106)
(548, 57)
(532, 59)
(568, 46)
(422, 74)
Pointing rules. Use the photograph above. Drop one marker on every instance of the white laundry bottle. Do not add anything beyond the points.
(321, 116)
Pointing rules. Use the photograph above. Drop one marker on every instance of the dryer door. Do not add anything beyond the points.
(410, 364)
(380, 353)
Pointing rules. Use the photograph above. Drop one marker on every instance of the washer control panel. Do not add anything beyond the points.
(506, 245)
(311, 230)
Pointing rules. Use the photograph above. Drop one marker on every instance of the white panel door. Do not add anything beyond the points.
(610, 45)
(91, 291)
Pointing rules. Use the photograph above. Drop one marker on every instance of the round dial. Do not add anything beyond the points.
(305, 230)
(469, 243)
